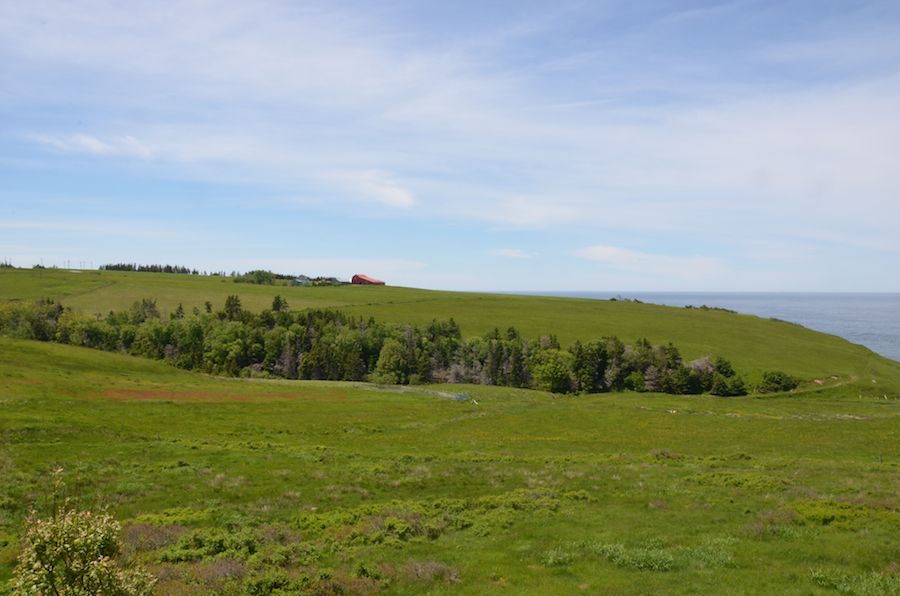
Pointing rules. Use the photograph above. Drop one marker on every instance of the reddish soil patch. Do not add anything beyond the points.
(203, 396)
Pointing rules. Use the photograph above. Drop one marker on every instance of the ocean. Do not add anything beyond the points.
(872, 320)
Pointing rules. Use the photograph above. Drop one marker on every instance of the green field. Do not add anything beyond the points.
(752, 344)
(231, 486)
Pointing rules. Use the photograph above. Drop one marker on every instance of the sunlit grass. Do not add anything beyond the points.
(752, 344)
(513, 491)
(635, 493)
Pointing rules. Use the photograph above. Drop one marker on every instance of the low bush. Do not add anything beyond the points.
(748, 480)
(840, 514)
(774, 381)
(74, 552)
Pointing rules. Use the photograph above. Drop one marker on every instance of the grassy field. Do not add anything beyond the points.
(517, 493)
(752, 344)
(229, 486)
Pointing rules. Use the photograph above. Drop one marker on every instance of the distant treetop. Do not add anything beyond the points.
(149, 268)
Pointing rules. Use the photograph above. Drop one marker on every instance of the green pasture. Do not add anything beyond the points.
(103, 291)
(231, 486)
(752, 344)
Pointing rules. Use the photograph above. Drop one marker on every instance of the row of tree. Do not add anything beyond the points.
(258, 276)
(149, 268)
(267, 278)
(327, 344)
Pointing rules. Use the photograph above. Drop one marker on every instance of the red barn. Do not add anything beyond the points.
(365, 280)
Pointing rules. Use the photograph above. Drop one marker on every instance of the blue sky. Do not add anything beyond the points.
(527, 145)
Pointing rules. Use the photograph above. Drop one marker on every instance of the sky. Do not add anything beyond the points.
(522, 145)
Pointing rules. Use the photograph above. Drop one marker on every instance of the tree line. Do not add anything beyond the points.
(258, 276)
(148, 268)
(330, 345)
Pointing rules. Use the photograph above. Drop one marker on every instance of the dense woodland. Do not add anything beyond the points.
(328, 345)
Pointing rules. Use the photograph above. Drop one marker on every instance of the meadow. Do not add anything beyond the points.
(751, 343)
(234, 486)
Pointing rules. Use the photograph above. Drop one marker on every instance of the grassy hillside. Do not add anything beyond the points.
(231, 486)
(102, 291)
(752, 344)
(237, 487)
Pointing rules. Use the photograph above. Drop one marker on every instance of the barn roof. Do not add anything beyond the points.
(369, 279)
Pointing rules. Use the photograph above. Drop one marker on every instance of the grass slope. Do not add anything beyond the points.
(511, 492)
(754, 345)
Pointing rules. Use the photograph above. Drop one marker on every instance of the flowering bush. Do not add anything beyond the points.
(73, 554)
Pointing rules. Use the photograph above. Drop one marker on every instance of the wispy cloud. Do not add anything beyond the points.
(665, 124)
(336, 88)
(513, 253)
(694, 267)
(82, 143)
(377, 185)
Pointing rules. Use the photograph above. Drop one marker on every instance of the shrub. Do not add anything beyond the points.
(273, 582)
(635, 381)
(211, 542)
(74, 553)
(753, 481)
(774, 381)
(840, 514)
(727, 386)
(369, 570)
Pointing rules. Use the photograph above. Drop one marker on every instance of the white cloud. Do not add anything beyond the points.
(325, 88)
(513, 253)
(82, 143)
(491, 124)
(377, 185)
(691, 268)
